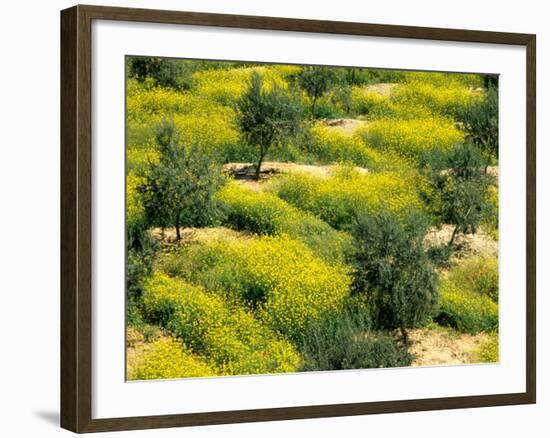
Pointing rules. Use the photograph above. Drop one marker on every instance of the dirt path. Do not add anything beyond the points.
(443, 347)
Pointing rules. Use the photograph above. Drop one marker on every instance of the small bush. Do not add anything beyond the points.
(170, 359)
(163, 72)
(480, 121)
(345, 341)
(228, 335)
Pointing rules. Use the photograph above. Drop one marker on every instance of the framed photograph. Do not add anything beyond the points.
(269, 219)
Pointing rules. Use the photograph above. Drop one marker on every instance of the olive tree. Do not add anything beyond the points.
(179, 189)
(463, 189)
(316, 81)
(391, 266)
(480, 122)
(163, 72)
(267, 116)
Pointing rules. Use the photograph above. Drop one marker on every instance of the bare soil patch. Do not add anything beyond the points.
(244, 172)
(468, 245)
(188, 235)
(347, 126)
(381, 89)
(137, 345)
(438, 346)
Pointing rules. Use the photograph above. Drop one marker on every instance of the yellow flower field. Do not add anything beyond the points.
(374, 218)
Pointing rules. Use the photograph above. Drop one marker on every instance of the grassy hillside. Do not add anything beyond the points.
(247, 187)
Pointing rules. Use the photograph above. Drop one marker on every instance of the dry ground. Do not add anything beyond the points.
(244, 172)
(347, 126)
(381, 89)
(439, 346)
(470, 244)
(168, 235)
(137, 345)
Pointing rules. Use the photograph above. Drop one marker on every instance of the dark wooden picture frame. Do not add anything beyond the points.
(76, 218)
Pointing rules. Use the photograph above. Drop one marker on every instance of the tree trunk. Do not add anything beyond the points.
(313, 104)
(487, 163)
(453, 236)
(178, 235)
(259, 166)
(404, 335)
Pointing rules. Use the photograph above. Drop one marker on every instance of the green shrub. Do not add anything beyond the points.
(163, 72)
(480, 120)
(170, 359)
(345, 341)
(279, 278)
(139, 266)
(229, 335)
(392, 269)
(265, 213)
(339, 199)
